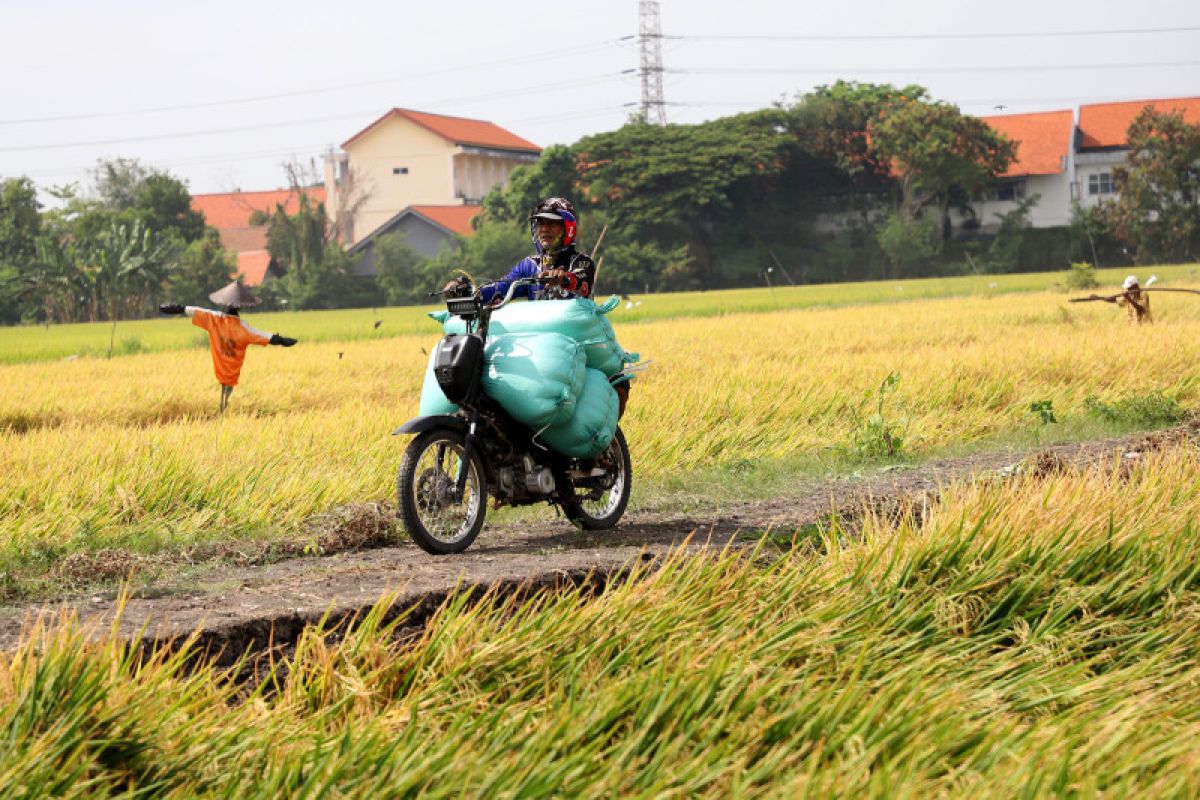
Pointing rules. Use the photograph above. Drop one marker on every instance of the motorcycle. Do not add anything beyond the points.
(456, 462)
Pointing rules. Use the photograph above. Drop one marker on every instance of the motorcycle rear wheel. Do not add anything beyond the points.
(425, 493)
(595, 508)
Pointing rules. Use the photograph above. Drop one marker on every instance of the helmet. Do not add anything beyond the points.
(1130, 282)
(555, 208)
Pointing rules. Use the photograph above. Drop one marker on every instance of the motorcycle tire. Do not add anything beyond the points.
(597, 514)
(424, 490)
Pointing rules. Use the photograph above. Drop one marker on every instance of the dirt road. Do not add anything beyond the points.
(245, 607)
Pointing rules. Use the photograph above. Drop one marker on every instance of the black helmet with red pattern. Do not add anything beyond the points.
(555, 208)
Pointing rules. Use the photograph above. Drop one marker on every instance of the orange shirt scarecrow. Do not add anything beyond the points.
(228, 337)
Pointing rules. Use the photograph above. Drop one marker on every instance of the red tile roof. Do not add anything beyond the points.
(1043, 140)
(456, 218)
(252, 266)
(458, 130)
(1106, 124)
(233, 209)
(239, 240)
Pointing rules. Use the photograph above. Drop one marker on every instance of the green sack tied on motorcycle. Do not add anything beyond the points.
(578, 318)
(592, 427)
(536, 378)
(433, 401)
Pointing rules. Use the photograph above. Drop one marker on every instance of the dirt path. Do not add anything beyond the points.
(247, 607)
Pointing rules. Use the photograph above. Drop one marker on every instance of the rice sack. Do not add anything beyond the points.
(592, 427)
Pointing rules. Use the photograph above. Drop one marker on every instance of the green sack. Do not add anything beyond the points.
(577, 318)
(433, 402)
(536, 378)
(595, 422)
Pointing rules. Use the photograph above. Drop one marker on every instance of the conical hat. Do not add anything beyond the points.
(234, 296)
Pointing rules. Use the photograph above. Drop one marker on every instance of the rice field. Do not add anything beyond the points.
(130, 452)
(35, 343)
(1036, 636)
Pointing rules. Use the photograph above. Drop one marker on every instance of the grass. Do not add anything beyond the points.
(1034, 636)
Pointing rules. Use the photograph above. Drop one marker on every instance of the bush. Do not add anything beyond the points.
(874, 435)
(1154, 408)
(910, 245)
(1082, 275)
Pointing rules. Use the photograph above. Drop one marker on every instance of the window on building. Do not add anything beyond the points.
(1011, 190)
(1101, 183)
(399, 170)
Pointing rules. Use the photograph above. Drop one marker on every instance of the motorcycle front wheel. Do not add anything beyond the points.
(596, 503)
(425, 492)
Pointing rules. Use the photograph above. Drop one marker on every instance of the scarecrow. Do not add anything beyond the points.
(228, 334)
(1133, 298)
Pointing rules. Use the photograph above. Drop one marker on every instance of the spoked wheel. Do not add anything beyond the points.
(425, 488)
(595, 502)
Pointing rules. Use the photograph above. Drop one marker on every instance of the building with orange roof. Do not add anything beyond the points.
(412, 158)
(426, 228)
(1042, 167)
(1102, 143)
(231, 213)
(1064, 157)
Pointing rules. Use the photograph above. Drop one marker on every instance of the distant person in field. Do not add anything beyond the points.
(228, 334)
(1135, 302)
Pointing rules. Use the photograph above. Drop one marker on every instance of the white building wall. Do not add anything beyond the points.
(1053, 207)
(478, 171)
(1094, 174)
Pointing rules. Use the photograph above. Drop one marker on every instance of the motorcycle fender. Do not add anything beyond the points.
(422, 424)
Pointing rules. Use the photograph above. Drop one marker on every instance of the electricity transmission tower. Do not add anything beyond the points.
(650, 37)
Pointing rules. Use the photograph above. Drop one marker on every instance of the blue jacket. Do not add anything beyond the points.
(578, 264)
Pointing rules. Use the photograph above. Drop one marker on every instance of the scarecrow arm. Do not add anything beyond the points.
(171, 308)
(286, 341)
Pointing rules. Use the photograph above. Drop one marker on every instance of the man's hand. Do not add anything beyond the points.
(554, 277)
(286, 341)
(459, 287)
(171, 308)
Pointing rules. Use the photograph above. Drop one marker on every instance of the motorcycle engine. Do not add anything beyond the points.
(525, 477)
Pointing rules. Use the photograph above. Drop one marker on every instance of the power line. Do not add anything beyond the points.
(575, 51)
(911, 70)
(538, 89)
(884, 37)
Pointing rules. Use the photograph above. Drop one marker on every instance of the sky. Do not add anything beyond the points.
(222, 93)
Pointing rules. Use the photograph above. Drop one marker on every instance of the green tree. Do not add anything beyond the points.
(401, 272)
(552, 175)
(908, 243)
(1004, 251)
(202, 267)
(490, 252)
(164, 205)
(123, 271)
(48, 287)
(933, 148)
(834, 124)
(20, 221)
(1158, 210)
(635, 267)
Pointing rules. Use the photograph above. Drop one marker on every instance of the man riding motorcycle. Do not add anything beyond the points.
(567, 273)
(553, 226)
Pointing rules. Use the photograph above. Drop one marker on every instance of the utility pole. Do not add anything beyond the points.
(650, 37)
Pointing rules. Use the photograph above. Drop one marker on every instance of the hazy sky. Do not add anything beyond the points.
(220, 93)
